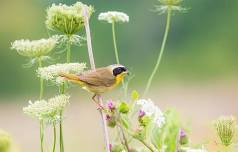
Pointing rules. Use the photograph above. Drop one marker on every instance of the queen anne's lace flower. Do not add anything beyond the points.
(52, 72)
(47, 110)
(59, 102)
(35, 48)
(39, 109)
(151, 110)
(67, 19)
(169, 5)
(113, 16)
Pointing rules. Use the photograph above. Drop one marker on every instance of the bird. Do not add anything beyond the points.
(100, 80)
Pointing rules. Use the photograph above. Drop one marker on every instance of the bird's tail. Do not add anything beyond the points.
(71, 77)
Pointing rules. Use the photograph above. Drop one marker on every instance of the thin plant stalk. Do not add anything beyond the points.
(62, 91)
(116, 54)
(41, 79)
(161, 52)
(41, 95)
(147, 145)
(42, 135)
(61, 133)
(54, 144)
(68, 49)
(93, 67)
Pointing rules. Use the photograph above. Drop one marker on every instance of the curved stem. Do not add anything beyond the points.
(42, 135)
(117, 56)
(41, 79)
(160, 54)
(54, 144)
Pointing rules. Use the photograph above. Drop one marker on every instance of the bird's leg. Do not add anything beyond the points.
(100, 107)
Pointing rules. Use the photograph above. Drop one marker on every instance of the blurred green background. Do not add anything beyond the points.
(198, 73)
(202, 43)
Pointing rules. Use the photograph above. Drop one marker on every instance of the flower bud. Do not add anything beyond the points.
(111, 121)
(144, 121)
(124, 108)
(183, 138)
(117, 148)
(5, 141)
(111, 105)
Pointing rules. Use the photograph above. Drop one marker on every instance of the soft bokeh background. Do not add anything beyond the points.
(198, 74)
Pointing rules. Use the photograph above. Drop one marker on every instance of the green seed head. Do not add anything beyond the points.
(170, 2)
(226, 128)
(67, 19)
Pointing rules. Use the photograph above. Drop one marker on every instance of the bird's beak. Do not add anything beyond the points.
(127, 72)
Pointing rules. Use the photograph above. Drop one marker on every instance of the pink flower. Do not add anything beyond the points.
(110, 105)
(141, 113)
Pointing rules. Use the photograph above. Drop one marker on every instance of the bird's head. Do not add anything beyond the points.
(119, 71)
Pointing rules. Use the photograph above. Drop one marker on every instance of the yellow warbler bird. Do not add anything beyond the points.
(99, 80)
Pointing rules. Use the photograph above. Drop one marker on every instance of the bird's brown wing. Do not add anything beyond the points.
(98, 77)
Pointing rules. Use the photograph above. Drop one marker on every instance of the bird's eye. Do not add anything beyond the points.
(117, 71)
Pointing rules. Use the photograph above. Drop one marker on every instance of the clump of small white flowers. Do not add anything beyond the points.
(52, 72)
(35, 48)
(169, 5)
(148, 108)
(5, 141)
(39, 110)
(67, 19)
(47, 110)
(59, 102)
(113, 16)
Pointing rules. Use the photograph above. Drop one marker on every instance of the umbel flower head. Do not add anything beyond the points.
(169, 5)
(47, 110)
(66, 19)
(113, 16)
(35, 48)
(148, 108)
(5, 141)
(226, 129)
(52, 72)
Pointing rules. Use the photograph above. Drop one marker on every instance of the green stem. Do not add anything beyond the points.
(138, 139)
(160, 54)
(42, 135)
(61, 133)
(62, 91)
(41, 80)
(117, 56)
(54, 144)
(68, 48)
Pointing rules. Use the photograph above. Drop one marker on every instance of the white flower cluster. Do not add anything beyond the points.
(151, 110)
(47, 110)
(52, 72)
(169, 5)
(67, 19)
(35, 48)
(113, 16)
(188, 149)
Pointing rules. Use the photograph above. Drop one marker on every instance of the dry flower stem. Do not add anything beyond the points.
(93, 67)
(161, 52)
